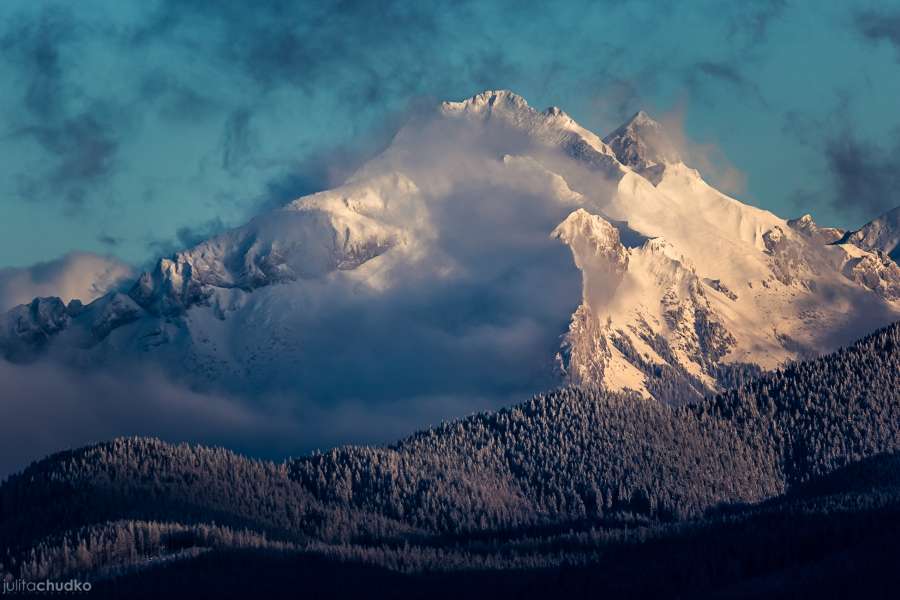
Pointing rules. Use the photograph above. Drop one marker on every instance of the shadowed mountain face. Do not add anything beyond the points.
(602, 482)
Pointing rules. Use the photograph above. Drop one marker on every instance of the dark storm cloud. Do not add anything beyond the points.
(330, 165)
(186, 237)
(722, 70)
(866, 176)
(323, 168)
(303, 45)
(326, 167)
(190, 236)
(340, 51)
(706, 73)
(753, 19)
(863, 176)
(36, 44)
(492, 69)
(619, 99)
(82, 143)
(362, 59)
(109, 240)
(239, 140)
(176, 100)
(746, 29)
(879, 26)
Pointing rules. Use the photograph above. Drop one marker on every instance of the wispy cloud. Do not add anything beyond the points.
(705, 74)
(861, 177)
(752, 20)
(81, 140)
(866, 176)
(705, 156)
(879, 26)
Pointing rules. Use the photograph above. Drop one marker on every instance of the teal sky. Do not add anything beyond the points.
(134, 128)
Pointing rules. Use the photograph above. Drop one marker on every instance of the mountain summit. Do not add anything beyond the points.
(491, 251)
(642, 144)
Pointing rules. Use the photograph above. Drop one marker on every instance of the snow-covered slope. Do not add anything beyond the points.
(486, 240)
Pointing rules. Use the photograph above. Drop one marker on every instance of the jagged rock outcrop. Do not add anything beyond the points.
(642, 144)
(882, 234)
(808, 227)
(29, 327)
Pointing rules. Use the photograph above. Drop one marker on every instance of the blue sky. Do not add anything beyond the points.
(135, 128)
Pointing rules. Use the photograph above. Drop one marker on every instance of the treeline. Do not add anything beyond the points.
(589, 461)
(576, 454)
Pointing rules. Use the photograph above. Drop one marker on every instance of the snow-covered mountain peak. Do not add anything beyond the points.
(513, 117)
(643, 144)
(641, 119)
(488, 101)
(451, 236)
(501, 101)
(593, 229)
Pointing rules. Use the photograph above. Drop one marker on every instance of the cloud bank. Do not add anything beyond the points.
(466, 315)
(78, 275)
(47, 407)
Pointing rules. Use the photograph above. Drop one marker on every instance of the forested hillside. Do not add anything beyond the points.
(832, 538)
(576, 454)
(568, 478)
